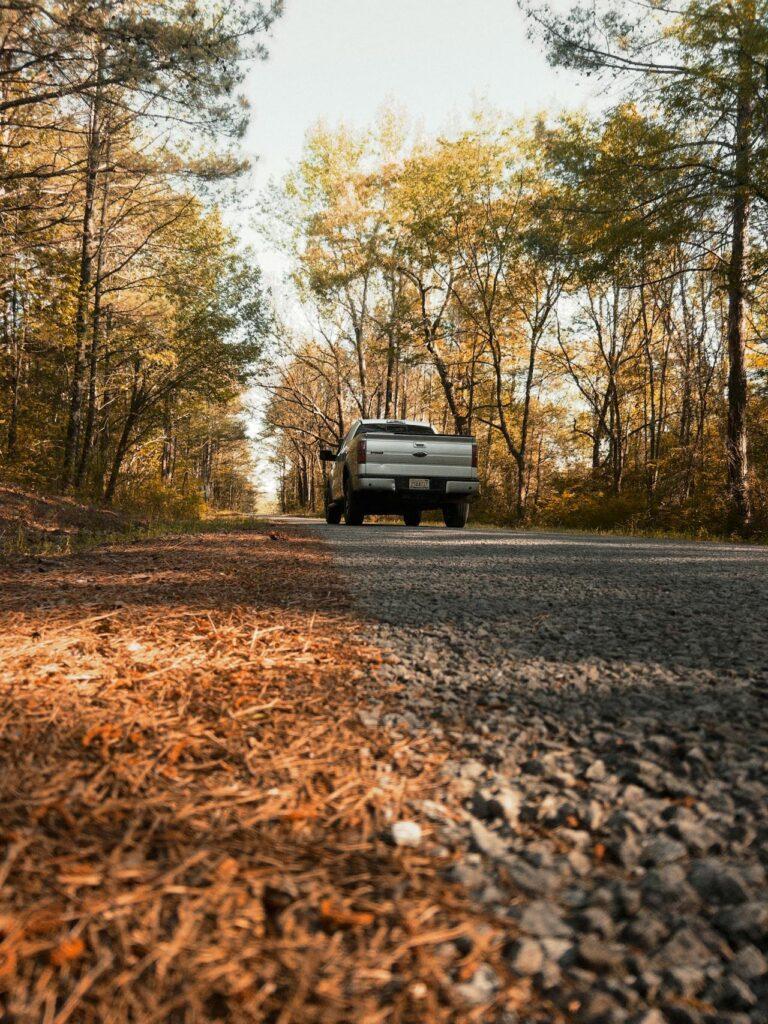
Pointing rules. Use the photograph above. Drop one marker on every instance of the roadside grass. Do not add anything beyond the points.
(626, 532)
(62, 544)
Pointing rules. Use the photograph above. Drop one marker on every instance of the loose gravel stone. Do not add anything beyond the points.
(649, 1017)
(544, 919)
(481, 987)
(605, 698)
(601, 1008)
(594, 952)
(524, 956)
(749, 922)
(749, 963)
(486, 841)
(717, 882)
(734, 994)
(406, 833)
(663, 850)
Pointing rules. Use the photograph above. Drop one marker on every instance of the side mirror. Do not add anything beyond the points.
(326, 455)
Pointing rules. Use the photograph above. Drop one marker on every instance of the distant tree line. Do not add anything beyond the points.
(130, 319)
(586, 295)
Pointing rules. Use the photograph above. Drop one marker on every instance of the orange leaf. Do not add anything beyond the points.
(67, 950)
(228, 868)
(108, 731)
(177, 750)
(91, 735)
(7, 960)
(344, 918)
(301, 813)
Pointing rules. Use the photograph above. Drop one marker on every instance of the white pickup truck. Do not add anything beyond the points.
(396, 467)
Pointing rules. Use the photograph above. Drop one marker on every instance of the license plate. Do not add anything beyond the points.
(418, 483)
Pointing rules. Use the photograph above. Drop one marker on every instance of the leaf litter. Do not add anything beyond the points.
(193, 818)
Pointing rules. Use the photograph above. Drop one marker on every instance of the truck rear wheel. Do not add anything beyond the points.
(332, 510)
(455, 516)
(353, 513)
(412, 517)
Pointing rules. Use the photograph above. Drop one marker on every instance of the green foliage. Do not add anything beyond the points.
(132, 320)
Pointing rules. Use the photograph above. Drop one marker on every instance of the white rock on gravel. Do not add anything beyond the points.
(406, 833)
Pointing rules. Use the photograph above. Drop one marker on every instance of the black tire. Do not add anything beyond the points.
(353, 513)
(412, 517)
(456, 516)
(332, 510)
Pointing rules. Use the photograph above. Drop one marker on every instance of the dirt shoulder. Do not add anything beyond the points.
(195, 814)
(29, 520)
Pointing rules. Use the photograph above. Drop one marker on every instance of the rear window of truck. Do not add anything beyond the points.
(396, 428)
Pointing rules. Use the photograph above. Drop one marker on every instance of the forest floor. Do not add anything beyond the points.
(195, 813)
(31, 521)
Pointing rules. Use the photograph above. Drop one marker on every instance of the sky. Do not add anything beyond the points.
(344, 60)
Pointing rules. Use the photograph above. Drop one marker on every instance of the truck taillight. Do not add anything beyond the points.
(474, 456)
(362, 451)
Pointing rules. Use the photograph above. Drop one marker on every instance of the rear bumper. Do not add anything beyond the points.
(388, 493)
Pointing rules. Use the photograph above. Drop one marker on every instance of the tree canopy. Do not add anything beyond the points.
(132, 319)
(561, 288)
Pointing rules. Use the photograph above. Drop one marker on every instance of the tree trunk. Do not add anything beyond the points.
(206, 469)
(15, 344)
(83, 295)
(168, 457)
(134, 407)
(521, 490)
(121, 450)
(105, 403)
(389, 384)
(93, 356)
(522, 482)
(459, 419)
(390, 387)
(738, 466)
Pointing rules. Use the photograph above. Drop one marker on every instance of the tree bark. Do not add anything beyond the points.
(15, 344)
(168, 456)
(522, 479)
(120, 451)
(134, 408)
(93, 355)
(83, 293)
(736, 447)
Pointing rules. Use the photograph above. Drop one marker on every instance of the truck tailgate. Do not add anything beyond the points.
(440, 455)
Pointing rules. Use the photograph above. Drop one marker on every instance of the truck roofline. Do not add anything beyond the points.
(394, 422)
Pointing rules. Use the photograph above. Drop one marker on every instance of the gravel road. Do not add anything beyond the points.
(606, 699)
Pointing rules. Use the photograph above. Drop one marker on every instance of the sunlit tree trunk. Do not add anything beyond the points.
(93, 356)
(134, 408)
(738, 465)
(83, 291)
